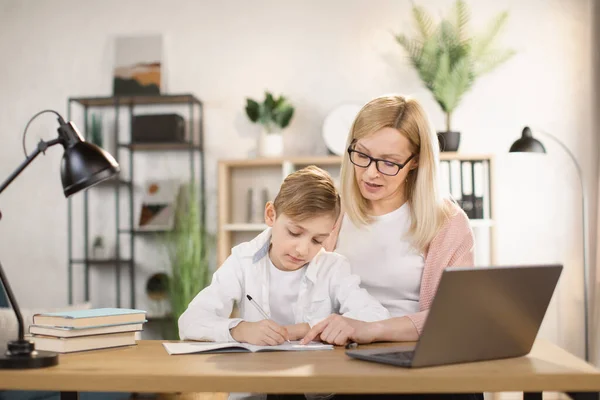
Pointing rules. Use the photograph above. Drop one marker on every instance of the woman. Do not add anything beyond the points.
(396, 231)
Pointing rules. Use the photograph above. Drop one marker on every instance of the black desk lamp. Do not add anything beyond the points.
(528, 144)
(83, 165)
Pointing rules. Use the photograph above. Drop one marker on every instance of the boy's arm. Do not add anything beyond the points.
(207, 315)
(354, 302)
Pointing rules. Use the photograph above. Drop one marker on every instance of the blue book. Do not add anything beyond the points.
(89, 318)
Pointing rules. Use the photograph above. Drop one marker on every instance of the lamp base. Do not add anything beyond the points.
(22, 355)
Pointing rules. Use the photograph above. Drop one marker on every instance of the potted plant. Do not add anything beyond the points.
(187, 247)
(273, 115)
(448, 58)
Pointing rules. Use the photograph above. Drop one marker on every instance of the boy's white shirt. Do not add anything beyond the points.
(327, 287)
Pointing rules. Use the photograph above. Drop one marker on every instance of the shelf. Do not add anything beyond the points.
(107, 261)
(112, 182)
(143, 232)
(243, 227)
(158, 318)
(111, 101)
(272, 162)
(333, 160)
(160, 146)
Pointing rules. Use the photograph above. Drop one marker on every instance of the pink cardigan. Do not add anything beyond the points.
(451, 247)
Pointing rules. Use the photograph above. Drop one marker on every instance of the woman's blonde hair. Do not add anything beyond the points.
(428, 210)
(307, 193)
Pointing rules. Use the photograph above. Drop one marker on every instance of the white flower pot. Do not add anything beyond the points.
(270, 144)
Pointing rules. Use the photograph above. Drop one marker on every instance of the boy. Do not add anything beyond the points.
(285, 270)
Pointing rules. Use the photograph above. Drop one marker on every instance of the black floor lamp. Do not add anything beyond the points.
(83, 165)
(528, 144)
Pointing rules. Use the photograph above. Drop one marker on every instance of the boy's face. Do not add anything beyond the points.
(293, 244)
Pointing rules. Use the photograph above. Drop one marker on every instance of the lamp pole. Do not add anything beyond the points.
(585, 238)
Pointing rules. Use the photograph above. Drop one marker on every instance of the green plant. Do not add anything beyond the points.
(187, 246)
(273, 114)
(448, 58)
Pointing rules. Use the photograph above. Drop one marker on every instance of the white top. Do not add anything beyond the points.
(326, 288)
(390, 268)
(284, 287)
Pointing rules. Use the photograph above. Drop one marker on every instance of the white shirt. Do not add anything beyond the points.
(284, 287)
(327, 287)
(390, 268)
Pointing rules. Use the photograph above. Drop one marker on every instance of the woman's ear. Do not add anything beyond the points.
(270, 214)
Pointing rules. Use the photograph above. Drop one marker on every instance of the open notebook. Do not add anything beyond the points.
(234, 347)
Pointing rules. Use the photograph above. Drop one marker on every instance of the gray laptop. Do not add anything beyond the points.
(481, 313)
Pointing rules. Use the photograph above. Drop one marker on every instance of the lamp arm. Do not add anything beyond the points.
(41, 148)
(585, 237)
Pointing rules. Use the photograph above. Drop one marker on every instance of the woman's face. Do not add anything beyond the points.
(384, 193)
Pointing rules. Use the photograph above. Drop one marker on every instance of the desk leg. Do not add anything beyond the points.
(584, 396)
(69, 395)
(532, 396)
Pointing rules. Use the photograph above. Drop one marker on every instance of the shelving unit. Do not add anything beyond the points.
(125, 225)
(237, 176)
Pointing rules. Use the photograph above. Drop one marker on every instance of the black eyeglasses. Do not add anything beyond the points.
(386, 167)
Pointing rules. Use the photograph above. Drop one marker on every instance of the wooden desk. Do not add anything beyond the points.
(147, 368)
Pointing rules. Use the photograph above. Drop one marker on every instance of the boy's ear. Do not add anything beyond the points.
(270, 214)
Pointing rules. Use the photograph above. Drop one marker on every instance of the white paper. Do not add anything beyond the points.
(203, 347)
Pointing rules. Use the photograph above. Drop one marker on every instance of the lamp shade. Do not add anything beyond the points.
(83, 165)
(527, 143)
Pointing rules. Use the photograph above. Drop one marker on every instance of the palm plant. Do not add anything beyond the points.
(187, 247)
(448, 58)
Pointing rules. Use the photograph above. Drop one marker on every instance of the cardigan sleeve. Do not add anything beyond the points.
(452, 247)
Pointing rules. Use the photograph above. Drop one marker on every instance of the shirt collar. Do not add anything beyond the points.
(261, 245)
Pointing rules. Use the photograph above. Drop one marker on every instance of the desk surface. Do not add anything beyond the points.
(148, 368)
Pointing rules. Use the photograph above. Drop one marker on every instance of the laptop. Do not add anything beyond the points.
(481, 313)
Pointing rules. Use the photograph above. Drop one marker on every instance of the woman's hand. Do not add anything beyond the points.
(297, 331)
(338, 330)
(262, 333)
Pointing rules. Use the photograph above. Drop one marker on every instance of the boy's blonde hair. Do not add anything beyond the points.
(428, 209)
(307, 193)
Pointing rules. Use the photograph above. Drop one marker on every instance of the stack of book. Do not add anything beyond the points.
(100, 328)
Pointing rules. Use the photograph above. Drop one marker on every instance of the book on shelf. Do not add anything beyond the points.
(67, 332)
(97, 317)
(466, 181)
(83, 343)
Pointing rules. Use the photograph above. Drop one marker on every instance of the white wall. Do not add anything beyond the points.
(320, 54)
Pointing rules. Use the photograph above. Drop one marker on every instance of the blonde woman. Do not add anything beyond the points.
(396, 230)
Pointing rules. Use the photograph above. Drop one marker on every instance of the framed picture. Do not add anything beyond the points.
(159, 204)
(137, 68)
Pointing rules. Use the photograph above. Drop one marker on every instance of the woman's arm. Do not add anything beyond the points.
(337, 329)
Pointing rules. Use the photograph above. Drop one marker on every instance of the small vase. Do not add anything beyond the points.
(449, 141)
(270, 144)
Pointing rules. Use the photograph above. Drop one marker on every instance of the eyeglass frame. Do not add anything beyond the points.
(377, 160)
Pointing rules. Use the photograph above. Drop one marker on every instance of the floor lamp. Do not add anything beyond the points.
(528, 144)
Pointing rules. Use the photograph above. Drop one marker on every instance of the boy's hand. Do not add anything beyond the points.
(297, 331)
(262, 333)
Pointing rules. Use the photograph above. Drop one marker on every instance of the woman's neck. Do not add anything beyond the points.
(386, 206)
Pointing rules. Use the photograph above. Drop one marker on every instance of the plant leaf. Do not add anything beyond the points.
(461, 16)
(483, 43)
(491, 60)
(252, 110)
(284, 116)
(423, 21)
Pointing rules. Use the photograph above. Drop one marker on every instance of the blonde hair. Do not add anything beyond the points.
(428, 210)
(307, 193)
